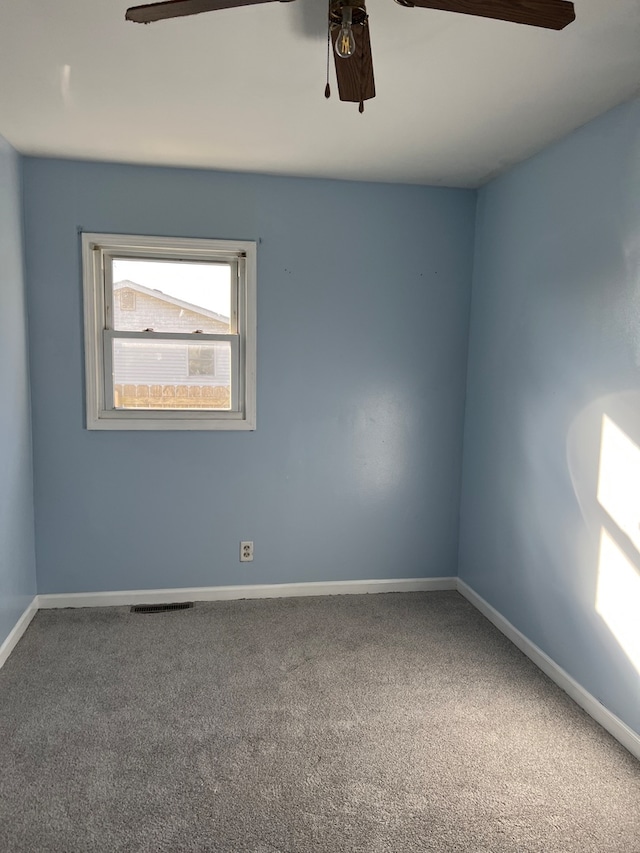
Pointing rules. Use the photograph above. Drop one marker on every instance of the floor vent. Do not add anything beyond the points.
(161, 608)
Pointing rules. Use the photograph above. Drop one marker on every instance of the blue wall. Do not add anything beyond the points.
(354, 470)
(555, 346)
(17, 556)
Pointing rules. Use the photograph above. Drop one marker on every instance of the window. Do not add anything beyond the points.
(127, 300)
(202, 361)
(170, 332)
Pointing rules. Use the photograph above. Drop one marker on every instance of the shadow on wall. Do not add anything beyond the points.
(603, 452)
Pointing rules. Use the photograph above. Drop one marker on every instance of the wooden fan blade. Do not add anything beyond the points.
(355, 74)
(179, 8)
(551, 14)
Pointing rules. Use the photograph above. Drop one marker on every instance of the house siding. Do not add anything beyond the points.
(165, 363)
(156, 313)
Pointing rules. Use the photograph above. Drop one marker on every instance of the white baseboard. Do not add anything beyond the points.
(226, 593)
(17, 631)
(614, 725)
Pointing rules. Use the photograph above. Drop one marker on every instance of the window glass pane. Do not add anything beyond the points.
(171, 375)
(171, 296)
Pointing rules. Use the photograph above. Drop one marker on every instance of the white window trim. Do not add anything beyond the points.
(99, 414)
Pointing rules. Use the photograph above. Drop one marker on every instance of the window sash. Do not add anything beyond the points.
(108, 337)
(234, 261)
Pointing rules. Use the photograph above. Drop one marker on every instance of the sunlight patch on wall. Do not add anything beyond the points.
(619, 479)
(618, 597)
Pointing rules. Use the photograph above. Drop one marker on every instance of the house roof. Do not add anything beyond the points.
(171, 300)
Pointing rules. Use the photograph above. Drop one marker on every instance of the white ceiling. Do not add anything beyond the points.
(459, 98)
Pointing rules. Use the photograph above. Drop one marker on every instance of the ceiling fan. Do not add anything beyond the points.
(348, 26)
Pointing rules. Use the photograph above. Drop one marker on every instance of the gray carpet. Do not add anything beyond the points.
(399, 723)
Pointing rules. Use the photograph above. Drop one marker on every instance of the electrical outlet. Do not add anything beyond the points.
(246, 552)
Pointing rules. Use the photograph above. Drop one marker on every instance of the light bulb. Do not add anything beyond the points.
(345, 43)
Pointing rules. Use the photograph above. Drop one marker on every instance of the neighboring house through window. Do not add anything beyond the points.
(170, 330)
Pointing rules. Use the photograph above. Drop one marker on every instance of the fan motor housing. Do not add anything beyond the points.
(358, 12)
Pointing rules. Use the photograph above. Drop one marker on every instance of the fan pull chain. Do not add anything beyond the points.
(327, 88)
(361, 81)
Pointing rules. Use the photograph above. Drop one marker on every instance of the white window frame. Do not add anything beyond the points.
(98, 251)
